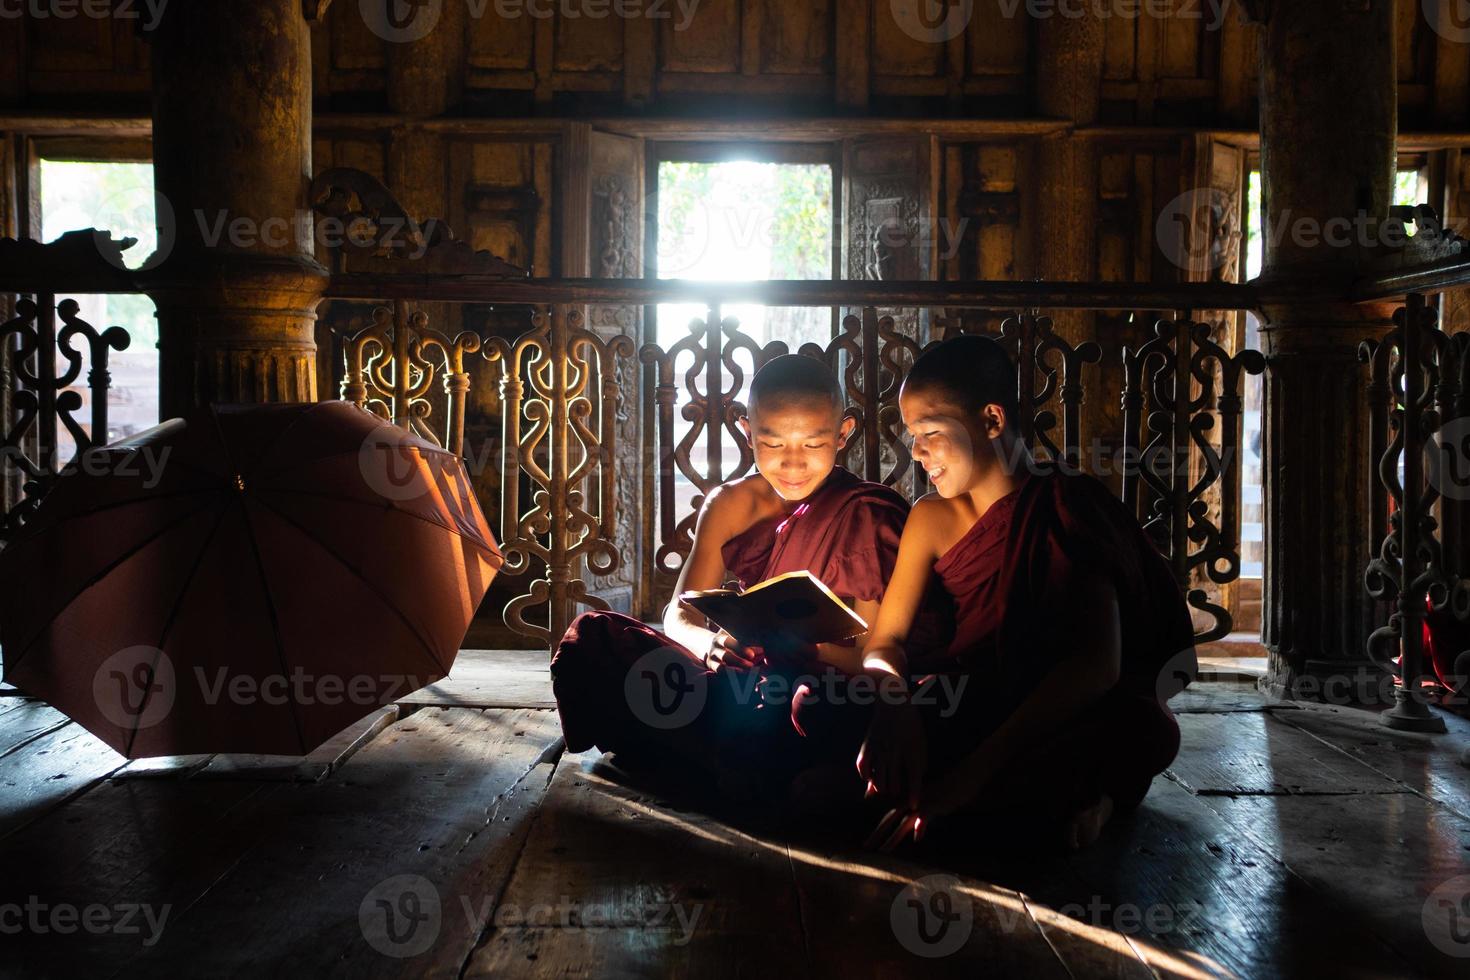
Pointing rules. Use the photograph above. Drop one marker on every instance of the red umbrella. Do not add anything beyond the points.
(246, 579)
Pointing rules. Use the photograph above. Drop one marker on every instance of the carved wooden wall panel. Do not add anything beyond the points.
(982, 232)
(795, 38)
(1196, 66)
(82, 54)
(348, 58)
(587, 45)
(1163, 68)
(501, 199)
(502, 44)
(709, 43)
(898, 54)
(889, 191)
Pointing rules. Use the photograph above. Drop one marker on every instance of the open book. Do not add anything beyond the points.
(794, 608)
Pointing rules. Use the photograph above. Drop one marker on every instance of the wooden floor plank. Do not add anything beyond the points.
(1255, 753)
(1215, 697)
(327, 758)
(1375, 862)
(615, 882)
(1427, 764)
(419, 813)
(45, 771)
(870, 915)
(26, 721)
(1195, 894)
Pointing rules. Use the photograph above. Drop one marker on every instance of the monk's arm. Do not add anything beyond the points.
(884, 653)
(704, 569)
(1078, 680)
(849, 660)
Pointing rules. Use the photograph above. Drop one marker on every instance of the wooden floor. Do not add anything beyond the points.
(452, 835)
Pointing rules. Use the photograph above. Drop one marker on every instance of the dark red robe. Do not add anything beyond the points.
(1012, 578)
(846, 534)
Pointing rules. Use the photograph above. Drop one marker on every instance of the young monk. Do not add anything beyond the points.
(798, 510)
(1066, 616)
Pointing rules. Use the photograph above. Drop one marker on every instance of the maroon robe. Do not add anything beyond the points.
(1012, 578)
(846, 534)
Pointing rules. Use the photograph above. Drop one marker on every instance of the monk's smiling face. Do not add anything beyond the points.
(796, 441)
(944, 438)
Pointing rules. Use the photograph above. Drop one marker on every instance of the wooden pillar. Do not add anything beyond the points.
(1328, 122)
(1067, 84)
(237, 293)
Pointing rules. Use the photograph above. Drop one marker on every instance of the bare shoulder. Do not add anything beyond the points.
(732, 507)
(932, 509)
(929, 520)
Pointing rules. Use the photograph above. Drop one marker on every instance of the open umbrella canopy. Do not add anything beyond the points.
(245, 579)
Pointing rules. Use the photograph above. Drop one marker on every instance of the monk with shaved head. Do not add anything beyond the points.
(799, 510)
(1068, 625)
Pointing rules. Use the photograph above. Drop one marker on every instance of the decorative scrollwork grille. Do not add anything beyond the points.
(44, 402)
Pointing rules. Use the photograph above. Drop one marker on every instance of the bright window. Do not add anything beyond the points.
(115, 197)
(738, 221)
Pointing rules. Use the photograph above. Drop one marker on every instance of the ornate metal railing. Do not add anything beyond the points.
(1419, 394)
(1190, 386)
(44, 401)
(391, 366)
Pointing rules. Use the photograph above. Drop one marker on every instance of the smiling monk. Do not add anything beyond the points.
(1068, 624)
(798, 511)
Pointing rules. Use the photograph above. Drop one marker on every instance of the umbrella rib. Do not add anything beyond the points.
(365, 581)
(169, 625)
(149, 498)
(270, 606)
(111, 567)
(453, 529)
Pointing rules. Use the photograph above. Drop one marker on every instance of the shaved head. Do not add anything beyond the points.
(795, 378)
(968, 372)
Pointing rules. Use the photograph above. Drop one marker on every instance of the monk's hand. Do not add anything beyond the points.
(726, 651)
(950, 793)
(790, 654)
(895, 753)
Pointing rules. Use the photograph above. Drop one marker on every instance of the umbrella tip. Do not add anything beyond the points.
(239, 483)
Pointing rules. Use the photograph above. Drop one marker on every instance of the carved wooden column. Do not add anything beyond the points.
(237, 293)
(1328, 121)
(1067, 84)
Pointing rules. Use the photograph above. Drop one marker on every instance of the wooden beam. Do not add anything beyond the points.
(644, 292)
(854, 40)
